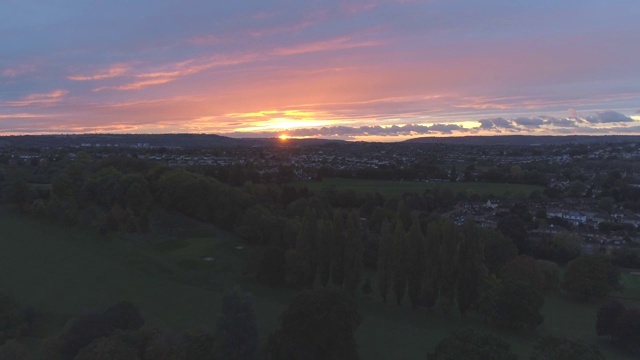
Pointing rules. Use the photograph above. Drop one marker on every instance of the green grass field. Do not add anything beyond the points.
(630, 281)
(65, 271)
(396, 188)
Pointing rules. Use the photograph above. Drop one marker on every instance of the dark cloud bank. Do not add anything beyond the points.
(580, 124)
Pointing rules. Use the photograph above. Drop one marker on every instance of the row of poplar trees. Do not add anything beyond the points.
(326, 251)
(442, 264)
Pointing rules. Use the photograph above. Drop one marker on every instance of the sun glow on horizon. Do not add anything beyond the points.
(284, 137)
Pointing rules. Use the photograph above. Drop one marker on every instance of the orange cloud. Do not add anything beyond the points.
(113, 128)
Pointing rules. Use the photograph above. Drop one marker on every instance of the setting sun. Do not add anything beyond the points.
(284, 137)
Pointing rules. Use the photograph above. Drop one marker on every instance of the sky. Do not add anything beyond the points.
(379, 70)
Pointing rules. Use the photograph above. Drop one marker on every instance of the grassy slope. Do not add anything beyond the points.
(64, 271)
(397, 188)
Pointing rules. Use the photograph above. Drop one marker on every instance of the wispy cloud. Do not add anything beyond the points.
(287, 28)
(38, 99)
(205, 40)
(20, 116)
(358, 7)
(18, 70)
(170, 72)
(340, 43)
(112, 72)
(137, 85)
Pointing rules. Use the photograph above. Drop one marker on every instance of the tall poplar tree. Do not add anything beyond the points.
(337, 248)
(471, 265)
(324, 240)
(306, 246)
(353, 253)
(399, 263)
(431, 280)
(448, 263)
(415, 261)
(404, 215)
(385, 259)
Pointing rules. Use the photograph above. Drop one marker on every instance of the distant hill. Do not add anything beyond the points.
(146, 140)
(525, 140)
(209, 140)
(297, 142)
(125, 140)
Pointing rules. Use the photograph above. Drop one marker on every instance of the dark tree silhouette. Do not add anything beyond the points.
(237, 333)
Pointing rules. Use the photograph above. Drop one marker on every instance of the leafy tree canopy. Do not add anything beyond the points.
(319, 324)
(518, 306)
(587, 277)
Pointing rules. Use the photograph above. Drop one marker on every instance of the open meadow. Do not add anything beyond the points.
(392, 188)
(65, 271)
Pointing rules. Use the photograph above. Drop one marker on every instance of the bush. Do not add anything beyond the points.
(12, 319)
(553, 348)
(470, 344)
(524, 269)
(518, 306)
(587, 277)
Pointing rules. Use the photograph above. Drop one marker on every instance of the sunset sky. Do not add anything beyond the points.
(361, 70)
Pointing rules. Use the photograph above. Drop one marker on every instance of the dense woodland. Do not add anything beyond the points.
(330, 246)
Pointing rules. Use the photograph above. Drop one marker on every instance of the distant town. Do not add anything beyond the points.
(585, 184)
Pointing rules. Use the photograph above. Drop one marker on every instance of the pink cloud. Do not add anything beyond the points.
(38, 99)
(205, 40)
(137, 85)
(161, 74)
(262, 15)
(112, 72)
(171, 72)
(355, 8)
(19, 70)
(340, 43)
(20, 116)
(271, 31)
